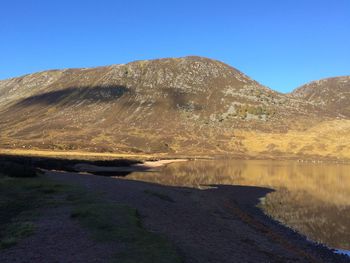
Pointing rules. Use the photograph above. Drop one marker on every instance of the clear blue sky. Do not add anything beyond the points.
(280, 43)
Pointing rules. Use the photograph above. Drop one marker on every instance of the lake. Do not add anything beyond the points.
(312, 198)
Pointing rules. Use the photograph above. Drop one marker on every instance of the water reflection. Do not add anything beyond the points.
(312, 198)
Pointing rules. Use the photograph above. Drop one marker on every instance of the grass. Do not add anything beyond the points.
(16, 231)
(110, 222)
(327, 139)
(20, 201)
(23, 199)
(113, 222)
(76, 154)
(159, 195)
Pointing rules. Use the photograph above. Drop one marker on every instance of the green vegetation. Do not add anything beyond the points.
(114, 222)
(159, 195)
(22, 200)
(243, 110)
(14, 232)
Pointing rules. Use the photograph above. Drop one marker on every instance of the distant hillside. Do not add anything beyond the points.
(189, 105)
(331, 94)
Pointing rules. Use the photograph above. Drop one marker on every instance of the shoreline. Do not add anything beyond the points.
(145, 157)
(209, 220)
(234, 202)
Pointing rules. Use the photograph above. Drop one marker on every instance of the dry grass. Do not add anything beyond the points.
(327, 139)
(77, 154)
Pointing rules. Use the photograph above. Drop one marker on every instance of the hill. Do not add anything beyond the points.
(189, 105)
(332, 94)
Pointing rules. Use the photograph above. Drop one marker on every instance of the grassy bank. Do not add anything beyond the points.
(24, 199)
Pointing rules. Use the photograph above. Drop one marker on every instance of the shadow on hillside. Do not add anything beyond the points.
(73, 95)
(102, 94)
(182, 100)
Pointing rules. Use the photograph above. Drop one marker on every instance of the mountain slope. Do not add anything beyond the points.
(332, 94)
(189, 105)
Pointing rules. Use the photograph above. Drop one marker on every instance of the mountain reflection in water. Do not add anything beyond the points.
(311, 198)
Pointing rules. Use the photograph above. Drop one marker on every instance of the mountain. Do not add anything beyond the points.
(332, 94)
(189, 105)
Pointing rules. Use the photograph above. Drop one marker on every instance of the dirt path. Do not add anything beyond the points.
(214, 225)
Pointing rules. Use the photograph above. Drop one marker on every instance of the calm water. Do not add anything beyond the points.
(314, 199)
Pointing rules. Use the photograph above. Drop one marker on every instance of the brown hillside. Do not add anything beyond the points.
(331, 94)
(189, 105)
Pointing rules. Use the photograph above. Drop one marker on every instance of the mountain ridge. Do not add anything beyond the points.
(331, 93)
